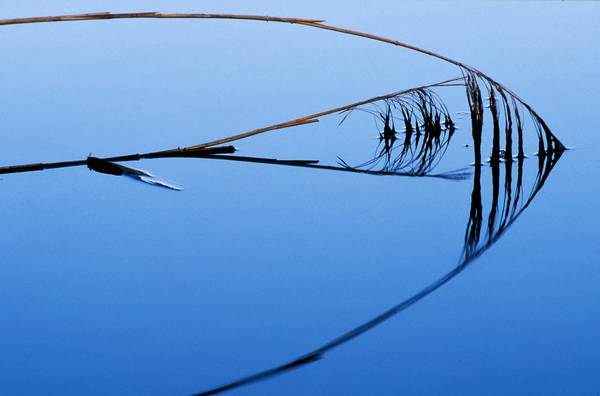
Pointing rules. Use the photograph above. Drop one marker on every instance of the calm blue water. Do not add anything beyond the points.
(108, 286)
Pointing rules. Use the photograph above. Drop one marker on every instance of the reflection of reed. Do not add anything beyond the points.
(212, 150)
(507, 204)
(424, 144)
(314, 164)
(428, 129)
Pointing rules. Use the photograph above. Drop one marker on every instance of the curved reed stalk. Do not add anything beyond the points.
(341, 109)
(491, 84)
(155, 15)
(214, 148)
(502, 101)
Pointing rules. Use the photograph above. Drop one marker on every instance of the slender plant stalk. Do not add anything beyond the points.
(314, 117)
(176, 153)
(192, 151)
(207, 150)
(470, 75)
(156, 15)
(313, 23)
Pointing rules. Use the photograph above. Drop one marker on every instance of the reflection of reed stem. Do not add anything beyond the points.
(205, 150)
(472, 249)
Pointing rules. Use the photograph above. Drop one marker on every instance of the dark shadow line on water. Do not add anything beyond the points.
(404, 99)
(108, 165)
(458, 174)
(472, 249)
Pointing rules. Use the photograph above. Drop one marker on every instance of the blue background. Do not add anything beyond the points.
(113, 287)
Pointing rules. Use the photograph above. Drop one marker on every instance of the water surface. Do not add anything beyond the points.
(110, 286)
